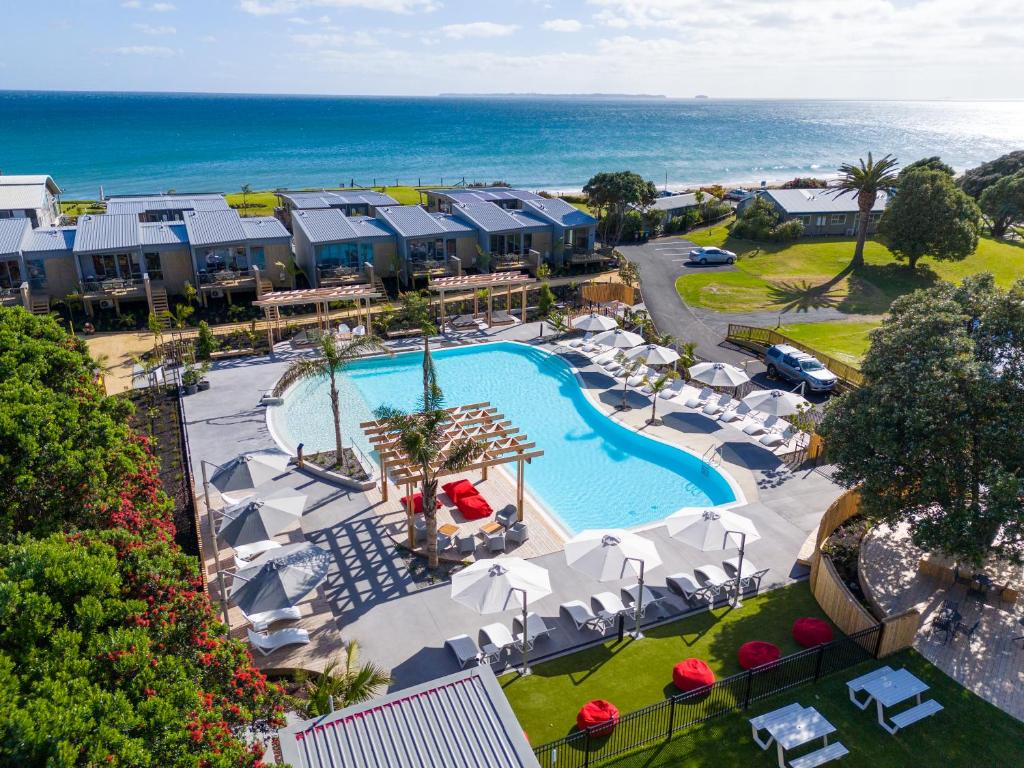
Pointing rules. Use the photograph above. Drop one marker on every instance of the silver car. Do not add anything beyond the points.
(711, 255)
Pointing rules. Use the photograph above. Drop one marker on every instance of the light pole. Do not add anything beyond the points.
(638, 606)
(526, 634)
(737, 603)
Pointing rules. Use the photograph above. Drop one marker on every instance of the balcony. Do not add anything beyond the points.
(10, 297)
(428, 267)
(504, 262)
(329, 277)
(227, 278)
(113, 288)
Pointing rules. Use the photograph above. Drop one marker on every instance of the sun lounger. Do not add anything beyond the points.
(651, 598)
(249, 551)
(536, 627)
(639, 376)
(609, 605)
(714, 407)
(501, 317)
(464, 648)
(581, 341)
(581, 615)
(683, 584)
(498, 637)
(775, 439)
(464, 321)
(755, 426)
(751, 576)
(672, 390)
(735, 413)
(603, 356)
(267, 643)
(260, 621)
(701, 398)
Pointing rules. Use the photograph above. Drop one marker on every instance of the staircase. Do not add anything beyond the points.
(161, 307)
(265, 286)
(378, 285)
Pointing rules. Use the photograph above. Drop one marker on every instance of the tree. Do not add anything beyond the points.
(612, 195)
(344, 681)
(1003, 203)
(930, 216)
(933, 163)
(975, 181)
(416, 312)
(206, 343)
(756, 221)
(657, 384)
(246, 191)
(629, 272)
(933, 438)
(545, 300)
(865, 181)
(332, 358)
(422, 437)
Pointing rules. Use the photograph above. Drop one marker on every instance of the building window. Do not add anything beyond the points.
(365, 253)
(338, 255)
(36, 273)
(154, 267)
(837, 218)
(104, 266)
(806, 220)
(874, 218)
(10, 275)
(258, 257)
(424, 250)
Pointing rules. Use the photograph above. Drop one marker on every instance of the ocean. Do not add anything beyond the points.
(130, 143)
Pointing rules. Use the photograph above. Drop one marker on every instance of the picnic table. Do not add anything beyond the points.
(792, 727)
(891, 688)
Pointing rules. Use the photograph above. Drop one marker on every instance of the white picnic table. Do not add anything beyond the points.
(791, 727)
(891, 689)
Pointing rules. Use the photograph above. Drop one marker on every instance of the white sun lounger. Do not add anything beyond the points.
(272, 641)
(775, 439)
(714, 407)
(700, 399)
(672, 390)
(581, 615)
(581, 341)
(498, 635)
(246, 552)
(712, 576)
(638, 376)
(609, 604)
(464, 648)
(651, 598)
(683, 584)
(736, 412)
(754, 426)
(260, 621)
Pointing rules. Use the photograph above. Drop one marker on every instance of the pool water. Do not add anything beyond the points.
(594, 472)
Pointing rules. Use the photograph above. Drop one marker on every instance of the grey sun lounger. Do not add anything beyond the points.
(683, 584)
(609, 606)
(651, 598)
(464, 648)
(536, 627)
(714, 407)
(582, 616)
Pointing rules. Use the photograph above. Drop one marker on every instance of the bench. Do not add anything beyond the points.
(824, 755)
(401, 333)
(912, 715)
(761, 722)
(857, 685)
(227, 354)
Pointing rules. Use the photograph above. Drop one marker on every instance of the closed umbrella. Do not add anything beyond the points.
(612, 554)
(653, 354)
(776, 402)
(712, 530)
(718, 374)
(594, 323)
(492, 586)
(280, 578)
(246, 472)
(258, 518)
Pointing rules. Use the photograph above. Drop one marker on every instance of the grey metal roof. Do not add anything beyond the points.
(263, 229)
(23, 192)
(213, 227)
(12, 235)
(459, 721)
(559, 212)
(484, 194)
(324, 225)
(105, 232)
(414, 221)
(493, 218)
(52, 240)
(163, 233)
(451, 224)
(795, 201)
(677, 202)
(370, 228)
(329, 199)
(141, 204)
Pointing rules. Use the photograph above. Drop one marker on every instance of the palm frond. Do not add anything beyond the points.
(460, 454)
(300, 370)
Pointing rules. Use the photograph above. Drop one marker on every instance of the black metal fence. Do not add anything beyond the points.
(658, 722)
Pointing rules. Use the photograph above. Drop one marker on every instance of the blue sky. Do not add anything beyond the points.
(966, 49)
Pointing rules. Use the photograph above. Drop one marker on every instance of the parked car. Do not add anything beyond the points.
(738, 195)
(710, 255)
(795, 365)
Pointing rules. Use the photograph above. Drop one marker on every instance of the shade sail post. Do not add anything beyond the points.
(520, 483)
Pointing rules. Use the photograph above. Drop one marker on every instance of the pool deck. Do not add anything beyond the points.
(400, 620)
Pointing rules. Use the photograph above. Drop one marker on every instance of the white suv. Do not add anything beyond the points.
(795, 365)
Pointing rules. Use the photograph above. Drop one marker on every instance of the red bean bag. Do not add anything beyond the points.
(458, 489)
(756, 653)
(417, 503)
(598, 713)
(810, 632)
(691, 674)
(473, 507)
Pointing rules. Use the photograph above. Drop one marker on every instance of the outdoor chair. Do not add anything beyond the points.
(968, 632)
(496, 542)
(507, 516)
(736, 412)
(464, 648)
(755, 426)
(498, 637)
(465, 545)
(775, 439)
(652, 599)
(443, 541)
(249, 551)
(700, 399)
(714, 407)
(581, 341)
(673, 390)
(609, 604)
(536, 628)
(582, 616)
(267, 643)
(261, 621)
(639, 376)
(941, 623)
(683, 584)
(751, 575)
(517, 533)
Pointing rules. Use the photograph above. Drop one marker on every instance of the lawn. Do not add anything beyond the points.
(967, 732)
(633, 674)
(846, 340)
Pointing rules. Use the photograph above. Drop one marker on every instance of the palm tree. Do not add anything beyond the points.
(657, 385)
(865, 181)
(333, 358)
(687, 356)
(353, 684)
(416, 312)
(421, 435)
(246, 191)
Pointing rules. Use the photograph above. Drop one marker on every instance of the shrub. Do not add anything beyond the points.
(715, 210)
(787, 231)
(206, 344)
(757, 220)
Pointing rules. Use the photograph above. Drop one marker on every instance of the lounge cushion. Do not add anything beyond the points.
(757, 653)
(417, 503)
(458, 489)
(691, 674)
(598, 713)
(809, 632)
(474, 507)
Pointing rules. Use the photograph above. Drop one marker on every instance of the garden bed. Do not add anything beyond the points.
(843, 549)
(349, 467)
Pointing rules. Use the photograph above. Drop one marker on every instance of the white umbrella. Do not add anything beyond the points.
(653, 354)
(492, 586)
(713, 530)
(258, 518)
(718, 374)
(248, 471)
(280, 578)
(612, 554)
(594, 323)
(619, 339)
(776, 402)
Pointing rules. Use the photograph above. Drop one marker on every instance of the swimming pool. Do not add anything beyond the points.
(594, 472)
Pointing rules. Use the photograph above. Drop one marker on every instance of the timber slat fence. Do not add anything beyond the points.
(659, 721)
(760, 339)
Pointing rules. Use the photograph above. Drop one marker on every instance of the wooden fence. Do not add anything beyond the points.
(759, 339)
(601, 293)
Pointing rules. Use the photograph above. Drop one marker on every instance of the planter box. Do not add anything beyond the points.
(333, 477)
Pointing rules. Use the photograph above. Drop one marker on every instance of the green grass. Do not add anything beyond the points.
(633, 674)
(79, 207)
(845, 340)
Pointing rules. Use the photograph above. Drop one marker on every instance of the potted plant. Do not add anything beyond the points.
(190, 379)
(204, 383)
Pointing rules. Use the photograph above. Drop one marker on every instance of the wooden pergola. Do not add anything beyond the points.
(320, 298)
(494, 280)
(502, 444)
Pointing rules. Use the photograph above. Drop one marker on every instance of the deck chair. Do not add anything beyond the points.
(755, 426)
(581, 341)
(260, 621)
(497, 635)
(683, 584)
(464, 649)
(609, 603)
(775, 439)
(581, 615)
(249, 551)
(267, 643)
(714, 407)
(700, 399)
(536, 627)
(736, 412)
(652, 599)
(673, 390)
(639, 376)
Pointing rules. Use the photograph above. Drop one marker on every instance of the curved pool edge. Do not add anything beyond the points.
(551, 517)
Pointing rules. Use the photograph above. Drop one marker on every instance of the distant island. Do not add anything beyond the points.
(552, 96)
(700, 96)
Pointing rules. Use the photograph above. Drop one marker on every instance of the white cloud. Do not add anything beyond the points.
(562, 25)
(160, 51)
(207, 39)
(277, 7)
(335, 39)
(131, 4)
(163, 7)
(478, 29)
(149, 29)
